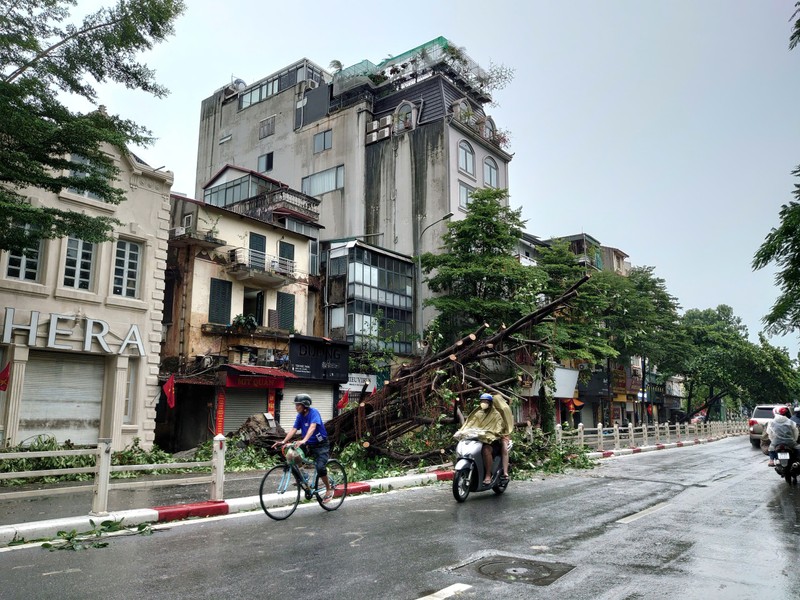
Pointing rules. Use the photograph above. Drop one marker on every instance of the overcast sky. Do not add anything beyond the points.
(665, 128)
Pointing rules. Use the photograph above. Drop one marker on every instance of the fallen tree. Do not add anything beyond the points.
(435, 387)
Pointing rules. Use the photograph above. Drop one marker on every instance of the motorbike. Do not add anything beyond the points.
(469, 470)
(788, 463)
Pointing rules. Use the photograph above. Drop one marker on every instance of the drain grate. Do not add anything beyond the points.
(520, 570)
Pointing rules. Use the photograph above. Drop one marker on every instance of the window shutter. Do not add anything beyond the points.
(286, 250)
(285, 311)
(219, 309)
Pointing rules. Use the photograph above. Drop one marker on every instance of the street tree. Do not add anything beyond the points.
(722, 365)
(782, 246)
(476, 277)
(43, 57)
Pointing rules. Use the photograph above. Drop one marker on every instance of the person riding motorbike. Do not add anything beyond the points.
(508, 426)
(781, 430)
(488, 419)
(795, 418)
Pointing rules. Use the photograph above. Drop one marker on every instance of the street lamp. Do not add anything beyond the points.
(419, 271)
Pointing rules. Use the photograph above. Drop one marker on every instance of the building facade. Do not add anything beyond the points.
(242, 309)
(387, 148)
(82, 323)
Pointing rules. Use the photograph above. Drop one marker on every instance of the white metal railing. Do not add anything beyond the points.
(615, 438)
(103, 468)
(255, 259)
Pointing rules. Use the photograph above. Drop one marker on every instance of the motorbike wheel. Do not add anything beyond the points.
(461, 485)
(788, 476)
(500, 488)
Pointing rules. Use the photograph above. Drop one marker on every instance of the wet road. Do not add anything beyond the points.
(709, 521)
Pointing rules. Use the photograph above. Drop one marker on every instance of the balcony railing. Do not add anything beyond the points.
(282, 201)
(253, 263)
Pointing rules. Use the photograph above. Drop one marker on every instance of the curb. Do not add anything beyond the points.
(659, 446)
(49, 529)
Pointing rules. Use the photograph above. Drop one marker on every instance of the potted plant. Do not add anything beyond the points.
(244, 323)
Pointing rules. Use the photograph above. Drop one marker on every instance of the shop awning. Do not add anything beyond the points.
(254, 370)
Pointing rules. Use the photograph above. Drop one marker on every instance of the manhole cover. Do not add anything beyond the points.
(520, 570)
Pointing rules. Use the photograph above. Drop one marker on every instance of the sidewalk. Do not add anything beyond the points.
(21, 518)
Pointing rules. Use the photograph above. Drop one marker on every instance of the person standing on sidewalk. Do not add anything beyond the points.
(313, 435)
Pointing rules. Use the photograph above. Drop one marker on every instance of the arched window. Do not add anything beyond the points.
(404, 117)
(489, 128)
(466, 158)
(490, 173)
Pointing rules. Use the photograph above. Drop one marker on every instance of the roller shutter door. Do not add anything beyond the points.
(240, 404)
(62, 396)
(321, 399)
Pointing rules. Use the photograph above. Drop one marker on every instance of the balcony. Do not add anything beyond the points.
(182, 237)
(283, 202)
(259, 268)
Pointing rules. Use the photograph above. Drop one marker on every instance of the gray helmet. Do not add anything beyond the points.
(303, 399)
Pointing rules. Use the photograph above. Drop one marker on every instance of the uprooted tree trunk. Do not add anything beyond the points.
(411, 397)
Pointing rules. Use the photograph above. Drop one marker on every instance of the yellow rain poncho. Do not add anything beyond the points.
(490, 421)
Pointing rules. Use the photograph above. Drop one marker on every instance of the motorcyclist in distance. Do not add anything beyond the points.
(796, 417)
(781, 430)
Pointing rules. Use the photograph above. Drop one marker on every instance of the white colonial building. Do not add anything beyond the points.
(82, 321)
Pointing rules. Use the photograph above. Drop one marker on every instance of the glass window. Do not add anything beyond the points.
(464, 191)
(79, 264)
(25, 265)
(127, 265)
(490, 173)
(404, 117)
(488, 129)
(265, 162)
(323, 182)
(466, 158)
(77, 173)
(323, 141)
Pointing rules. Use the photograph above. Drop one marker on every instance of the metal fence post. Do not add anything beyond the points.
(218, 467)
(102, 475)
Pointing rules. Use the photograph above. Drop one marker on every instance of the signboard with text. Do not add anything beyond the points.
(318, 358)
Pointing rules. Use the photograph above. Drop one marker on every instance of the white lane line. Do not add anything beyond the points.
(643, 513)
(454, 589)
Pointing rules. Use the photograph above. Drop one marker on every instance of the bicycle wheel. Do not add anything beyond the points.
(337, 477)
(279, 493)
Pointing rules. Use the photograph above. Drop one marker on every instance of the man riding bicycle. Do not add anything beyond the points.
(313, 435)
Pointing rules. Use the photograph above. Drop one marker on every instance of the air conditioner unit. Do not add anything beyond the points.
(312, 85)
(237, 256)
(372, 137)
(372, 126)
(384, 133)
(177, 231)
(385, 121)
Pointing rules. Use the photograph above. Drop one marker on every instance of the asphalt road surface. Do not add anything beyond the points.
(708, 521)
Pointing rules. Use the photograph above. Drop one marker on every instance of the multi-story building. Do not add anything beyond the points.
(241, 310)
(82, 326)
(387, 148)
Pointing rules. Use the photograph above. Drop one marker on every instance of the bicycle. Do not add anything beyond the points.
(280, 488)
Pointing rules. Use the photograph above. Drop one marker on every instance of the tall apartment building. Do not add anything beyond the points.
(82, 324)
(389, 149)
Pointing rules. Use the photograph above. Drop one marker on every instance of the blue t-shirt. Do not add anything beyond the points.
(303, 422)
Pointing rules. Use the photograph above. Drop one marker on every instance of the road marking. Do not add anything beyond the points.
(643, 513)
(454, 589)
(62, 572)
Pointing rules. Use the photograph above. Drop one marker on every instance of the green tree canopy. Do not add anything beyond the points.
(44, 55)
(477, 276)
(782, 246)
